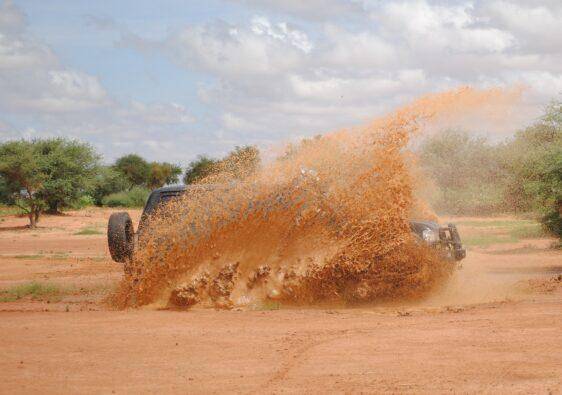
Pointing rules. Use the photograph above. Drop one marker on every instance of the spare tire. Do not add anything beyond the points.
(120, 237)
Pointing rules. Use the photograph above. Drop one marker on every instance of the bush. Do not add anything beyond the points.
(553, 223)
(136, 197)
(108, 181)
(83, 202)
(6, 196)
(467, 172)
(534, 159)
(477, 199)
(548, 190)
(134, 168)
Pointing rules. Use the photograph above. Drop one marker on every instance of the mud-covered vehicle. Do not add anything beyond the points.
(123, 239)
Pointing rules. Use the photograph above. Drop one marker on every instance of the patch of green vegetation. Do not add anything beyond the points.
(35, 290)
(10, 210)
(267, 305)
(499, 232)
(485, 240)
(35, 256)
(531, 231)
(89, 231)
(502, 231)
(497, 223)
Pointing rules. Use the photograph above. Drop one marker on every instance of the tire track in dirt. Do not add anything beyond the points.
(297, 356)
(311, 341)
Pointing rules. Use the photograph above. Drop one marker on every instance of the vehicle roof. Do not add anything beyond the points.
(171, 188)
(156, 195)
(181, 188)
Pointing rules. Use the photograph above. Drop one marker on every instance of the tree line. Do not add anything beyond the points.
(49, 175)
(468, 174)
(521, 175)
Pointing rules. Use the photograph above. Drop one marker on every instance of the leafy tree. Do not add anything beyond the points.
(135, 169)
(162, 174)
(21, 171)
(199, 169)
(106, 182)
(241, 162)
(5, 195)
(525, 159)
(534, 161)
(135, 197)
(69, 168)
(467, 171)
(548, 188)
(238, 164)
(50, 173)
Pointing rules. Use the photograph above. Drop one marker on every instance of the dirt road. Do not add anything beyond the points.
(496, 327)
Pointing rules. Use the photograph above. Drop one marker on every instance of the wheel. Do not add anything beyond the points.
(120, 237)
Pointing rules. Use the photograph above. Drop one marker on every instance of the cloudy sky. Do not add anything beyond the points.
(171, 79)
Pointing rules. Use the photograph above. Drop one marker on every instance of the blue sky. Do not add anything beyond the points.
(173, 79)
(69, 28)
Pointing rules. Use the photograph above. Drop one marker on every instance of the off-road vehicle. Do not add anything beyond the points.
(123, 239)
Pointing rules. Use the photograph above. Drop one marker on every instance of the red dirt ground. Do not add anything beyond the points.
(496, 327)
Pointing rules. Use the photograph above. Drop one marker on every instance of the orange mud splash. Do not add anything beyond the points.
(326, 223)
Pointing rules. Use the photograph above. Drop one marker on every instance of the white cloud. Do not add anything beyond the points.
(355, 52)
(272, 82)
(318, 10)
(537, 25)
(56, 100)
(357, 90)
(291, 68)
(238, 51)
(282, 32)
(158, 113)
(12, 19)
(441, 29)
(32, 77)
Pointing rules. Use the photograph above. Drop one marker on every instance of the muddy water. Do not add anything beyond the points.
(325, 223)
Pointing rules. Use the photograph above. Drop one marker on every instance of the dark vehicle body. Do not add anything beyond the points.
(122, 238)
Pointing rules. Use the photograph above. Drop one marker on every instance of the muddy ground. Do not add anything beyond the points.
(495, 327)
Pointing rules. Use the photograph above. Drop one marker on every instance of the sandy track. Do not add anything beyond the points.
(495, 348)
(487, 330)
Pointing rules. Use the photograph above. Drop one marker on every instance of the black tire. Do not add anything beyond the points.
(120, 237)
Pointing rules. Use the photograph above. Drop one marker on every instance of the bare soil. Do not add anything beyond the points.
(495, 327)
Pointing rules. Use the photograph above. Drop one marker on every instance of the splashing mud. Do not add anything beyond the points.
(325, 223)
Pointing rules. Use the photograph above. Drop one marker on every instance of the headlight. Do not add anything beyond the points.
(430, 236)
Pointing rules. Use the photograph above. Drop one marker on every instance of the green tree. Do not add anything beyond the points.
(106, 182)
(162, 174)
(199, 169)
(69, 168)
(534, 163)
(241, 162)
(50, 173)
(525, 157)
(467, 171)
(237, 164)
(21, 171)
(135, 169)
(548, 188)
(5, 195)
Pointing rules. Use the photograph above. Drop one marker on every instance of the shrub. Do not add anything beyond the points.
(136, 197)
(83, 202)
(45, 173)
(134, 168)
(467, 172)
(108, 181)
(534, 159)
(199, 169)
(162, 174)
(477, 199)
